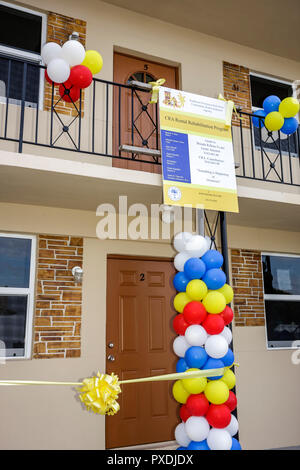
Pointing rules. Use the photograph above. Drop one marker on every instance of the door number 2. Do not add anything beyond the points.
(142, 277)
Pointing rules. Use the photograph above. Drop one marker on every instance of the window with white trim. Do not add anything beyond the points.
(261, 87)
(281, 274)
(17, 276)
(22, 34)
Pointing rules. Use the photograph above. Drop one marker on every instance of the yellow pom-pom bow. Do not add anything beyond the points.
(99, 394)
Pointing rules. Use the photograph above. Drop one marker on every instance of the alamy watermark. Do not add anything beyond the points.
(141, 222)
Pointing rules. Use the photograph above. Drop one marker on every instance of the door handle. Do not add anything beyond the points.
(111, 358)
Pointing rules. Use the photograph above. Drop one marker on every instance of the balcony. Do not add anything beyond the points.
(114, 131)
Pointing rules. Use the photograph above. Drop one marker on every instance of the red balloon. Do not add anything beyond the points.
(81, 76)
(218, 416)
(194, 312)
(68, 92)
(184, 413)
(213, 324)
(231, 402)
(49, 79)
(197, 404)
(179, 324)
(227, 315)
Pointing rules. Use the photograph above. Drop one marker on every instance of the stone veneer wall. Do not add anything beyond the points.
(247, 283)
(59, 28)
(236, 82)
(57, 322)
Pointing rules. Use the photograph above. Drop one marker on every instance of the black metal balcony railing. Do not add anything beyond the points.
(116, 121)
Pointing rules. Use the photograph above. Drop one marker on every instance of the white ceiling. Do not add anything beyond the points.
(268, 25)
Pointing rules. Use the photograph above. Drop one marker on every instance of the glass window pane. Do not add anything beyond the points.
(281, 275)
(12, 323)
(283, 322)
(20, 29)
(261, 88)
(15, 262)
(11, 86)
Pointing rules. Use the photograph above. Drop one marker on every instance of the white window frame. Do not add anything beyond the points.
(273, 79)
(27, 55)
(275, 297)
(24, 291)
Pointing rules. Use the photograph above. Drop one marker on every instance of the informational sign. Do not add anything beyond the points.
(197, 152)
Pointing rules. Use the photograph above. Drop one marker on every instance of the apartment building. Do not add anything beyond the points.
(60, 162)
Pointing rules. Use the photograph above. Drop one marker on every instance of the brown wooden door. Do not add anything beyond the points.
(132, 106)
(139, 325)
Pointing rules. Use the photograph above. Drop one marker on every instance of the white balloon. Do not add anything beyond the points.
(58, 70)
(219, 439)
(73, 52)
(50, 51)
(226, 333)
(216, 346)
(195, 335)
(233, 426)
(181, 435)
(180, 346)
(197, 428)
(180, 259)
(181, 239)
(196, 246)
(209, 242)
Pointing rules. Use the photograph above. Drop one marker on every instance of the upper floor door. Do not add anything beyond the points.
(134, 118)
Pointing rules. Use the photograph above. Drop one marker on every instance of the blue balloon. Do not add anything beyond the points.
(212, 259)
(195, 357)
(271, 103)
(259, 122)
(200, 445)
(194, 268)
(180, 281)
(290, 126)
(212, 363)
(228, 359)
(181, 448)
(181, 365)
(214, 278)
(235, 444)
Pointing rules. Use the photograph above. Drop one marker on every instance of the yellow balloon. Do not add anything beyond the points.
(196, 385)
(214, 302)
(289, 107)
(196, 289)
(93, 60)
(274, 121)
(180, 301)
(229, 379)
(227, 291)
(217, 392)
(179, 392)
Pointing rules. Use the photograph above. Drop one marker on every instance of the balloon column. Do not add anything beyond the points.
(278, 115)
(203, 343)
(70, 67)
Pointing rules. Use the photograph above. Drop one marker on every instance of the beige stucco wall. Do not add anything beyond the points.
(267, 382)
(51, 418)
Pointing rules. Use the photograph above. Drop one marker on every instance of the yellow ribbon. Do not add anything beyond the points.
(155, 89)
(230, 108)
(99, 394)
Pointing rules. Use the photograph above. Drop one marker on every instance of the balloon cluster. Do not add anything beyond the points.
(203, 343)
(70, 67)
(278, 115)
